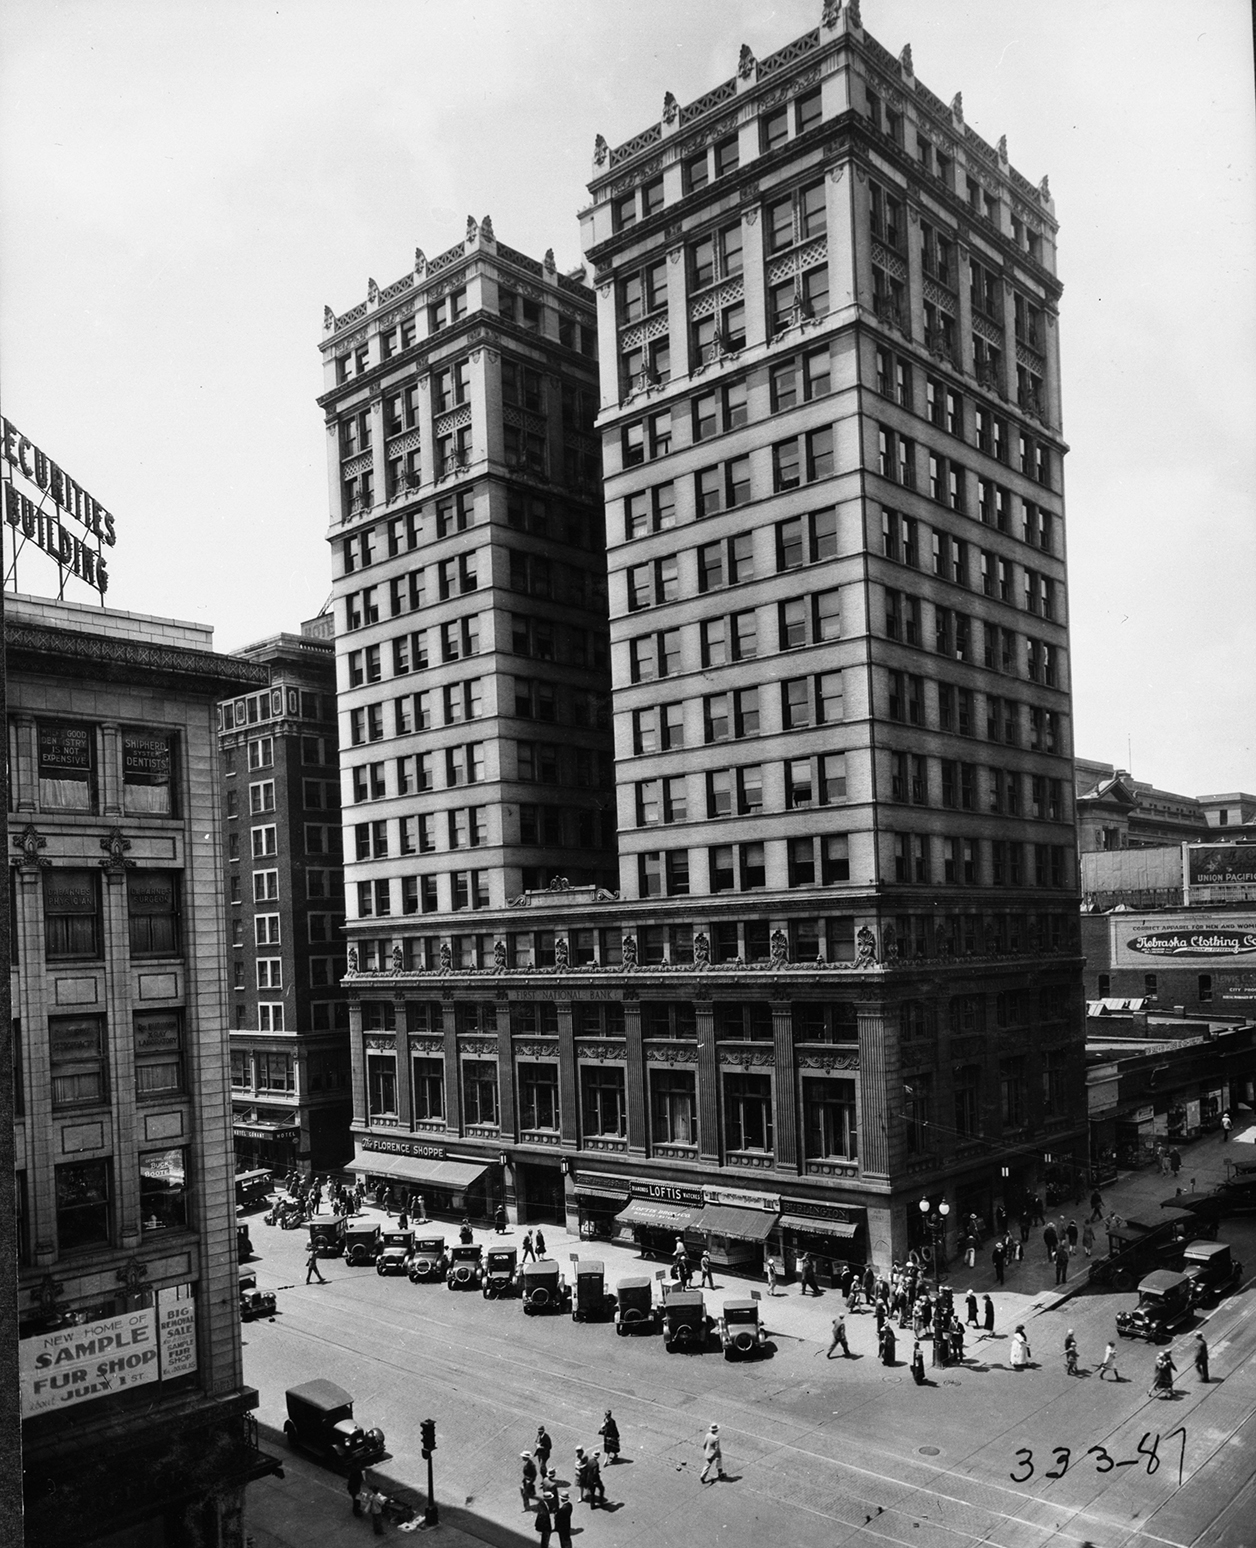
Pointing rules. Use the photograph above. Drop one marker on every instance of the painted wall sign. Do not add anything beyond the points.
(1195, 943)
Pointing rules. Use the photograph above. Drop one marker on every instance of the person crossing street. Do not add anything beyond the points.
(712, 1453)
(839, 1338)
(1108, 1363)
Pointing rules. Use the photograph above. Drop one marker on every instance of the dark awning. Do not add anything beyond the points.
(842, 1229)
(666, 1217)
(747, 1225)
(440, 1174)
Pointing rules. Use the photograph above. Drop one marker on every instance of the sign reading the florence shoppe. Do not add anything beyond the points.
(1195, 943)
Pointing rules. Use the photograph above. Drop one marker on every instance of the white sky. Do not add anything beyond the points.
(183, 186)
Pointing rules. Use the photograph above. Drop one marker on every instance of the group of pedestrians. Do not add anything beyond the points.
(532, 1248)
(540, 1489)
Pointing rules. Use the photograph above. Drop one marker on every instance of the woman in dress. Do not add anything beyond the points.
(1020, 1351)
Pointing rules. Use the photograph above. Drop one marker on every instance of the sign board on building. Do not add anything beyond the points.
(403, 1148)
(1221, 865)
(1189, 937)
(740, 1199)
(40, 515)
(1194, 943)
(176, 1331)
(672, 1193)
(74, 1365)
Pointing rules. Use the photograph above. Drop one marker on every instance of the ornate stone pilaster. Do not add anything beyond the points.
(709, 1146)
(26, 770)
(880, 1091)
(357, 1060)
(785, 1088)
(110, 769)
(638, 1129)
(568, 1093)
(453, 1071)
(509, 1116)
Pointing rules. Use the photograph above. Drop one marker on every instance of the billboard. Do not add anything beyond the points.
(1196, 938)
(1222, 865)
(74, 1365)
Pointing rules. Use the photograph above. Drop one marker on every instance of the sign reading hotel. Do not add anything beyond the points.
(41, 516)
(1195, 943)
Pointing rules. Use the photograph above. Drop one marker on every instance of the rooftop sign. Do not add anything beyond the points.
(32, 520)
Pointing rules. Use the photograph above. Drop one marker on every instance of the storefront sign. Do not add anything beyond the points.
(244, 1132)
(1195, 943)
(145, 758)
(742, 1200)
(176, 1328)
(64, 749)
(403, 1148)
(672, 1193)
(849, 1214)
(1222, 865)
(74, 1365)
(604, 1184)
(1238, 986)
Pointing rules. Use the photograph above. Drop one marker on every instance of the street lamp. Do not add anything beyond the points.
(935, 1224)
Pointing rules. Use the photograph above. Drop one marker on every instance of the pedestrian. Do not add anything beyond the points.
(499, 1219)
(869, 1283)
(610, 1439)
(1108, 1363)
(957, 1341)
(878, 1312)
(1175, 1160)
(1162, 1378)
(971, 1303)
(562, 1520)
(597, 1489)
(998, 1256)
(312, 1270)
(1061, 1264)
(1162, 1160)
(1088, 1238)
(526, 1252)
(1020, 1246)
(712, 1454)
(403, 1221)
(1096, 1205)
(807, 1270)
(549, 1490)
(1000, 1220)
(375, 1503)
(987, 1307)
(1227, 1123)
(772, 1271)
(839, 1338)
(1024, 1233)
(581, 1471)
(353, 1483)
(465, 1235)
(544, 1522)
(1050, 1240)
(918, 1364)
(1071, 1233)
(1020, 1353)
(1070, 1354)
(708, 1279)
(527, 1483)
(540, 1244)
(541, 1448)
(1201, 1357)
(844, 1283)
(889, 1344)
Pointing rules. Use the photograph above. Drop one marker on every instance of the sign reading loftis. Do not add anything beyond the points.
(1195, 943)
(44, 528)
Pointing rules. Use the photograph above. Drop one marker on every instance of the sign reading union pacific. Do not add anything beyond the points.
(1195, 943)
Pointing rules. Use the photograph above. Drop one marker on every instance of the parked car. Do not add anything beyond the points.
(1212, 1269)
(464, 1266)
(395, 1248)
(741, 1332)
(326, 1234)
(361, 1243)
(244, 1242)
(254, 1302)
(1136, 1248)
(634, 1305)
(499, 1275)
(589, 1300)
(542, 1287)
(429, 1259)
(1164, 1306)
(320, 1420)
(684, 1319)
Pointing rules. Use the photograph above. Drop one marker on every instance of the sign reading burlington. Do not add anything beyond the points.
(1192, 943)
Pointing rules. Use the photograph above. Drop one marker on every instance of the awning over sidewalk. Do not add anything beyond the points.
(438, 1174)
(664, 1217)
(843, 1229)
(746, 1225)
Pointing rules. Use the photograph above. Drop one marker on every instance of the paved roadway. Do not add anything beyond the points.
(818, 1452)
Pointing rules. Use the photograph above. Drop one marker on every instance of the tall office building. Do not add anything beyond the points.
(841, 978)
(136, 1417)
(290, 1081)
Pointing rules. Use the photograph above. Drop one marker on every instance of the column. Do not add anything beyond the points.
(26, 769)
(509, 1118)
(964, 322)
(709, 1147)
(405, 1090)
(915, 278)
(568, 1091)
(357, 1059)
(111, 770)
(635, 1076)
(32, 1007)
(785, 1089)
(453, 1072)
(116, 1004)
(880, 1092)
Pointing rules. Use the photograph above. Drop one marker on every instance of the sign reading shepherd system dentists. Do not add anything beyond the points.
(40, 516)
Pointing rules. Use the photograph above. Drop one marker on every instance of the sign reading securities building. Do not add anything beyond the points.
(32, 521)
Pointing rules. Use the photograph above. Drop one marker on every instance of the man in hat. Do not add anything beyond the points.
(562, 1520)
(1201, 1357)
(712, 1454)
(527, 1484)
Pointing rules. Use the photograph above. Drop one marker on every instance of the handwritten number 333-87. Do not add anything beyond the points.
(1148, 1449)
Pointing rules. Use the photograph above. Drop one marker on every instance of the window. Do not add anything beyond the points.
(918, 1112)
(538, 1096)
(72, 923)
(802, 862)
(1205, 988)
(67, 766)
(1013, 1092)
(77, 1061)
(967, 1088)
(753, 867)
(673, 1106)
(147, 764)
(163, 1196)
(381, 1085)
(829, 1119)
(748, 1112)
(84, 1191)
(744, 636)
(604, 1108)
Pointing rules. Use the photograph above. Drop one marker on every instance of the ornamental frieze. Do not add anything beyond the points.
(478, 1047)
(427, 1045)
(601, 1050)
(747, 1059)
(672, 1053)
(380, 1044)
(828, 1061)
(530, 1049)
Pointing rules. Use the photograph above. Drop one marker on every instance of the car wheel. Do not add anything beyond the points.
(1122, 1279)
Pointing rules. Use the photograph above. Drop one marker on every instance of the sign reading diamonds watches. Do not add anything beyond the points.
(1195, 943)
(40, 517)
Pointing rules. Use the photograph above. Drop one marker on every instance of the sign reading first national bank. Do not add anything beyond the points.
(45, 529)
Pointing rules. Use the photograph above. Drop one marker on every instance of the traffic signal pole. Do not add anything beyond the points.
(427, 1432)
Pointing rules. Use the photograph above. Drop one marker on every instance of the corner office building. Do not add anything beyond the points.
(136, 1419)
(842, 971)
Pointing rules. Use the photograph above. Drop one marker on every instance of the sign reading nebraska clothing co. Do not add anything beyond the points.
(1195, 943)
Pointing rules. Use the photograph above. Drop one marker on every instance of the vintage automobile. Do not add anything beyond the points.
(320, 1420)
(589, 1300)
(634, 1305)
(253, 1189)
(395, 1248)
(1136, 1248)
(1164, 1306)
(361, 1243)
(254, 1302)
(1212, 1269)
(542, 1287)
(244, 1242)
(684, 1320)
(741, 1332)
(464, 1266)
(428, 1260)
(498, 1276)
(326, 1234)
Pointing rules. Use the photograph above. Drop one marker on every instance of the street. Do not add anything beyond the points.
(817, 1450)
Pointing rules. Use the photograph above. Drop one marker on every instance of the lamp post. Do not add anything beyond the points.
(935, 1224)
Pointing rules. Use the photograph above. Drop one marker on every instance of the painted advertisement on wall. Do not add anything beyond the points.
(1199, 940)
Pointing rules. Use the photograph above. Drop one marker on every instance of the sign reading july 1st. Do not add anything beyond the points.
(40, 518)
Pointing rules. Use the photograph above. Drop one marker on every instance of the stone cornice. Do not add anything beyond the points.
(39, 648)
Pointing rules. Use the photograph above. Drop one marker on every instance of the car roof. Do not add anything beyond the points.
(1207, 1249)
(635, 1282)
(429, 1243)
(590, 1266)
(320, 1393)
(542, 1270)
(684, 1298)
(741, 1306)
(1160, 1281)
(323, 1220)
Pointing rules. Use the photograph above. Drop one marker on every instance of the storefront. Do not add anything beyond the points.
(834, 1235)
(271, 1146)
(598, 1197)
(539, 1192)
(392, 1170)
(737, 1225)
(657, 1213)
